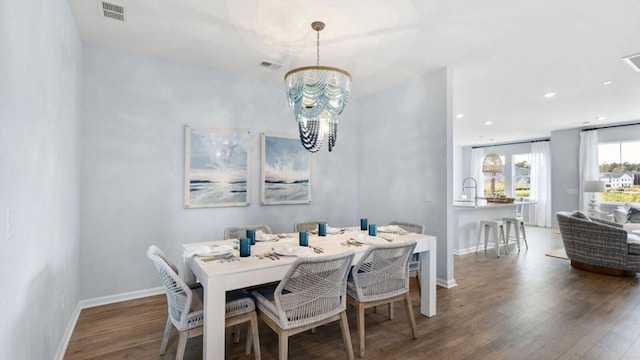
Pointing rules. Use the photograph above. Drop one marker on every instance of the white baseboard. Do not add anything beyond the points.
(105, 300)
(84, 304)
(62, 347)
(447, 284)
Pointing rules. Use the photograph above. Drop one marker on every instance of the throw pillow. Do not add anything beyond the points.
(580, 215)
(620, 215)
(633, 215)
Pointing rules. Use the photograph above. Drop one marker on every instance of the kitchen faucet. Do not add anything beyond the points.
(474, 187)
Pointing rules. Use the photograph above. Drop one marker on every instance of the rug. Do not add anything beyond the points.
(560, 254)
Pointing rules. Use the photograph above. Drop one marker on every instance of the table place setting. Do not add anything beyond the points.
(261, 237)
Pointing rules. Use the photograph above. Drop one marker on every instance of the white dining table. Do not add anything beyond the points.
(219, 276)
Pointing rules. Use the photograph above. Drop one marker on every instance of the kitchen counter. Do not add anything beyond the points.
(467, 216)
(470, 204)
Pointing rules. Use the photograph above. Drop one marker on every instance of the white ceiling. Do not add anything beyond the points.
(504, 53)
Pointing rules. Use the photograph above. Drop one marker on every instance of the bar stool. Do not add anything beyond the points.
(498, 234)
(518, 227)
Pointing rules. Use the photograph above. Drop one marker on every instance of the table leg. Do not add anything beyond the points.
(214, 310)
(428, 280)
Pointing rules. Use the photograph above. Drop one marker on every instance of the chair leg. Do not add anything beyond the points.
(390, 311)
(253, 325)
(487, 230)
(283, 346)
(479, 236)
(182, 344)
(524, 235)
(249, 341)
(496, 239)
(500, 228)
(346, 335)
(516, 227)
(165, 337)
(412, 319)
(418, 278)
(360, 327)
(236, 334)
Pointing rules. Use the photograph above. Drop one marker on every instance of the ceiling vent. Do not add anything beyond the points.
(633, 61)
(111, 10)
(270, 65)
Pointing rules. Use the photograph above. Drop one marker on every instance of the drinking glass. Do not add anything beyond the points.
(304, 238)
(322, 229)
(245, 247)
(364, 224)
(251, 234)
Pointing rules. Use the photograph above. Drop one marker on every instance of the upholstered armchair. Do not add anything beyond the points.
(599, 245)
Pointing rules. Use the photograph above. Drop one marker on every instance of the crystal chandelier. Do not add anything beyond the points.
(318, 95)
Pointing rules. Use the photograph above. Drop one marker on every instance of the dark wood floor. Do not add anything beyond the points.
(521, 306)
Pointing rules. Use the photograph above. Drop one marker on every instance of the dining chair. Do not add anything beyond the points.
(185, 308)
(237, 232)
(311, 294)
(414, 262)
(307, 225)
(381, 277)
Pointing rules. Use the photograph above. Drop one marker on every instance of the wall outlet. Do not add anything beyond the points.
(11, 227)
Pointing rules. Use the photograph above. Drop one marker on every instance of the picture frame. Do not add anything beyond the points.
(217, 167)
(285, 170)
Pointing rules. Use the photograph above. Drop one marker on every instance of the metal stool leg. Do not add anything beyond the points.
(524, 235)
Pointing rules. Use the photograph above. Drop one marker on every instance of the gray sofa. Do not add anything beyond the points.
(599, 245)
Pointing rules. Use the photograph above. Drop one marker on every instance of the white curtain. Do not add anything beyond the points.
(477, 156)
(588, 164)
(540, 214)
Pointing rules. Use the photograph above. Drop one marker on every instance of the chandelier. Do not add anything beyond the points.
(318, 95)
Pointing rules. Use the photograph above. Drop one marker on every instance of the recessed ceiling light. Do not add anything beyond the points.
(607, 82)
(601, 118)
(550, 94)
(460, 116)
(488, 122)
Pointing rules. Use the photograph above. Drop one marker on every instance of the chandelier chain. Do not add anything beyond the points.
(318, 48)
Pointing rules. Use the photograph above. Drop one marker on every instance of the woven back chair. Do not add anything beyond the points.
(185, 307)
(381, 277)
(237, 232)
(414, 263)
(312, 293)
(307, 225)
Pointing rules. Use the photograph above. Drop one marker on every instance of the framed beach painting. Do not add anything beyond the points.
(216, 167)
(285, 171)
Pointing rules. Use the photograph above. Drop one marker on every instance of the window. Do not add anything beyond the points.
(522, 175)
(620, 170)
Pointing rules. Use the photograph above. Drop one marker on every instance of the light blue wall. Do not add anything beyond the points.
(134, 112)
(40, 65)
(404, 143)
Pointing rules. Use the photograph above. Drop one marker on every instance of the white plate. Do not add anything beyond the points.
(332, 230)
(294, 251)
(371, 240)
(390, 229)
(267, 237)
(214, 250)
